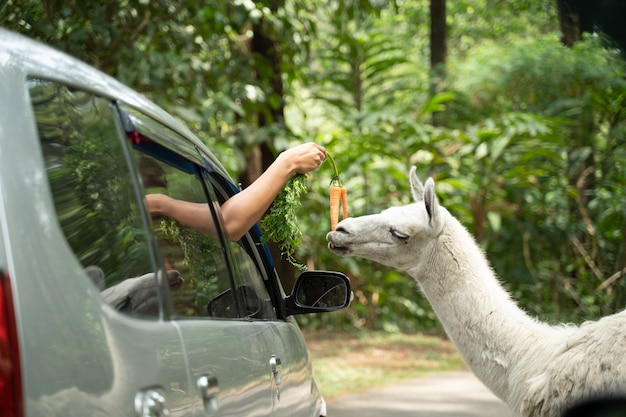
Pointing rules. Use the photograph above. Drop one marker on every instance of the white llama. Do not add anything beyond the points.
(537, 369)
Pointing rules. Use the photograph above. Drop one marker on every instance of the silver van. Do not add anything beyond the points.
(107, 312)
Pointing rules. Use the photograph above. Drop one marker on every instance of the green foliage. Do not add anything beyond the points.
(192, 58)
(280, 225)
(520, 122)
(471, 22)
(549, 195)
(197, 263)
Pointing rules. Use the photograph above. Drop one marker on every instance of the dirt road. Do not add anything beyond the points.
(450, 394)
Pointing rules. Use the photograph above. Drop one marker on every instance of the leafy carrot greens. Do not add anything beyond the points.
(280, 225)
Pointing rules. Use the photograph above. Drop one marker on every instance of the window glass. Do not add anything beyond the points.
(251, 289)
(197, 256)
(253, 295)
(94, 196)
(202, 268)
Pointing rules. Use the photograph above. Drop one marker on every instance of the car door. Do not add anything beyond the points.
(293, 390)
(300, 396)
(229, 355)
(96, 339)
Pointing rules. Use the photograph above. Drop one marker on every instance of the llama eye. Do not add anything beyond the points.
(399, 235)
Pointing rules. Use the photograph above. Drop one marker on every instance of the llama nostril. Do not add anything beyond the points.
(341, 229)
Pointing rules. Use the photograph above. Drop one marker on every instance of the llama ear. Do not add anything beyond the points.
(432, 205)
(417, 189)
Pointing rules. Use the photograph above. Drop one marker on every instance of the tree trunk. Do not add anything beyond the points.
(438, 33)
(569, 21)
(438, 48)
(264, 51)
(574, 19)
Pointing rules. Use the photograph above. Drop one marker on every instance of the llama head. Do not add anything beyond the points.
(396, 236)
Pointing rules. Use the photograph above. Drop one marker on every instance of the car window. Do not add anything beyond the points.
(210, 265)
(94, 195)
(251, 286)
(198, 257)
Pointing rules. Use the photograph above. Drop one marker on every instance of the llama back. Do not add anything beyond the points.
(590, 363)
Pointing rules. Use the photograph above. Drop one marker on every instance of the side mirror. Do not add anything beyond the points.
(319, 292)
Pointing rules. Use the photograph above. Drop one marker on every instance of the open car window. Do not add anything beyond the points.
(220, 280)
(198, 257)
(249, 263)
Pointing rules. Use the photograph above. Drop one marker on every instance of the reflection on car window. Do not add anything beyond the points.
(93, 194)
(196, 256)
(251, 290)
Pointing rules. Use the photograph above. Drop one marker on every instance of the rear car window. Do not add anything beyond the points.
(198, 257)
(94, 195)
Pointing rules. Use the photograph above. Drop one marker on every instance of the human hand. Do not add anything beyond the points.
(303, 158)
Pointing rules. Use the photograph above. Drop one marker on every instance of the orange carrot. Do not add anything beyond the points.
(335, 197)
(338, 195)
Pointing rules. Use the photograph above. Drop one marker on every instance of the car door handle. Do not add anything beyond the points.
(275, 366)
(209, 390)
(150, 403)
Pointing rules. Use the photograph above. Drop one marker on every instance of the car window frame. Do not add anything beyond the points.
(139, 127)
(135, 122)
(252, 242)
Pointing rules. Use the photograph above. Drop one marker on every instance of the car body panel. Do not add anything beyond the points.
(301, 395)
(243, 380)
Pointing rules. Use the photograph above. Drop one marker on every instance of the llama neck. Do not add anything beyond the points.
(490, 331)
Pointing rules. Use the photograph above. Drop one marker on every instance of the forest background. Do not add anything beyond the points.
(517, 109)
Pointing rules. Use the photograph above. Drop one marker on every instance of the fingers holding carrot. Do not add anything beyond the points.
(303, 158)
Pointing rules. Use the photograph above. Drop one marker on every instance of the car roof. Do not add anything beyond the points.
(37, 60)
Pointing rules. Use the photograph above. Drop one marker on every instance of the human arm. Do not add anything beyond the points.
(195, 215)
(243, 210)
